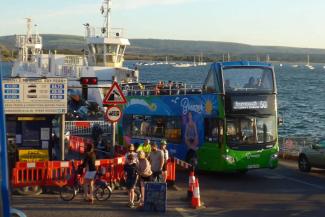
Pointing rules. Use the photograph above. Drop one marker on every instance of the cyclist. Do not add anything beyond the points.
(89, 164)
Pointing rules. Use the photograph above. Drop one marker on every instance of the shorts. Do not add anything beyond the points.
(90, 174)
(145, 179)
(130, 184)
(164, 169)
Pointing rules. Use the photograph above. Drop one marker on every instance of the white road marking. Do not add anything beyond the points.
(183, 213)
(305, 183)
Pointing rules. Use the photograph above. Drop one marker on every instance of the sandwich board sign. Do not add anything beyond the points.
(114, 95)
(113, 114)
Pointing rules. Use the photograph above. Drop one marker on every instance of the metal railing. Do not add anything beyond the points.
(113, 32)
(84, 128)
(148, 89)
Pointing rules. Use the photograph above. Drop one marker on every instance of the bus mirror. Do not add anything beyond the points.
(280, 121)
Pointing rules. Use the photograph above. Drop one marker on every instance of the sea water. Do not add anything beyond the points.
(301, 93)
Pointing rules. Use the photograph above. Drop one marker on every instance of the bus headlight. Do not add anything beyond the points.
(229, 159)
(274, 156)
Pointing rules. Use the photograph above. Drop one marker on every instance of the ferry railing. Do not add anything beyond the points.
(97, 31)
(153, 89)
(84, 128)
(23, 40)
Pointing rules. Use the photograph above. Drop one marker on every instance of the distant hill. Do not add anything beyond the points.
(181, 48)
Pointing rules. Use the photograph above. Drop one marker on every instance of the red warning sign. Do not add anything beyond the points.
(114, 95)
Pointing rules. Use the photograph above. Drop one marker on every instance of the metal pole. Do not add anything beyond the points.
(113, 137)
(62, 135)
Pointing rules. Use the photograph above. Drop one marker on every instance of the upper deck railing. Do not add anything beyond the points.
(22, 40)
(161, 88)
(98, 32)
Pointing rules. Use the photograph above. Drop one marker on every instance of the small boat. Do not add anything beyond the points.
(308, 64)
(295, 66)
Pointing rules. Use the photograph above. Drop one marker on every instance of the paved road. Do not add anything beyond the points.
(281, 192)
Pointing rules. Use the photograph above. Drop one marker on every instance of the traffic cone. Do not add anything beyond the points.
(196, 201)
(191, 182)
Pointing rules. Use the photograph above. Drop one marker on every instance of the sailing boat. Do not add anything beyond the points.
(308, 64)
(201, 63)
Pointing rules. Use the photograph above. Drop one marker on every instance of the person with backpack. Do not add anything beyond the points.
(144, 171)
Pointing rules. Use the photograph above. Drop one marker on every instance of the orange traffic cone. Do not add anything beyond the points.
(191, 181)
(196, 201)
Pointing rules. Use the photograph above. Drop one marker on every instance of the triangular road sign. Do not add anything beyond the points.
(114, 95)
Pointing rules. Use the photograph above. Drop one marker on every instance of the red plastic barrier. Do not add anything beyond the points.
(171, 170)
(29, 174)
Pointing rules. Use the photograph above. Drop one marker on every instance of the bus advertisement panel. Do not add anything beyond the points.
(179, 119)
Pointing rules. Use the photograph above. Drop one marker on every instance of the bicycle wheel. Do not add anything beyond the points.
(67, 192)
(103, 193)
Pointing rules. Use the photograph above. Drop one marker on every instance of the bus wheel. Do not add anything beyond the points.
(29, 190)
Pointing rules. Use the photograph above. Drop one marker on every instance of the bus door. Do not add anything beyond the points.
(209, 155)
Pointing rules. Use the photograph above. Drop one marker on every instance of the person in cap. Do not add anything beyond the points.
(130, 169)
(146, 147)
(163, 147)
(156, 159)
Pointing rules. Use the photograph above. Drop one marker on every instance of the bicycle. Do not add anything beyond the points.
(68, 192)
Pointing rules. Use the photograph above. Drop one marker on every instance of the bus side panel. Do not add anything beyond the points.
(209, 157)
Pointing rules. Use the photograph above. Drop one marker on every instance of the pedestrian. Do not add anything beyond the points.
(163, 147)
(131, 151)
(146, 147)
(156, 158)
(89, 164)
(144, 171)
(130, 169)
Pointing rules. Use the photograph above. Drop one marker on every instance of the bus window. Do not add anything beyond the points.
(211, 84)
(173, 130)
(153, 126)
(213, 130)
(251, 131)
(159, 127)
(248, 80)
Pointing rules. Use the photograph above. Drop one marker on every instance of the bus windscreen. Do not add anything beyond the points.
(248, 79)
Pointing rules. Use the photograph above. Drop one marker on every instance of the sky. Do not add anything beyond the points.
(294, 23)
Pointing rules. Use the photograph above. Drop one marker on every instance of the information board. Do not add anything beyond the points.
(33, 155)
(35, 95)
(155, 197)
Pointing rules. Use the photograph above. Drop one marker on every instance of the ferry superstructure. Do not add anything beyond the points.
(103, 57)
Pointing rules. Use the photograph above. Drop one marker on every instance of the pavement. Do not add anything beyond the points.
(284, 191)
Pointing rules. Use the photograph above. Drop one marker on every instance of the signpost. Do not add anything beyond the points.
(113, 97)
(113, 114)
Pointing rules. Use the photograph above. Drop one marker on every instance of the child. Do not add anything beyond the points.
(130, 170)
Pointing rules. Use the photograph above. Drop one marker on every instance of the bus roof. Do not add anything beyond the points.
(242, 63)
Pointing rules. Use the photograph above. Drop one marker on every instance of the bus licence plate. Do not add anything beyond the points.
(253, 166)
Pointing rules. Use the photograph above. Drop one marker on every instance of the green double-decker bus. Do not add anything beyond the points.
(227, 124)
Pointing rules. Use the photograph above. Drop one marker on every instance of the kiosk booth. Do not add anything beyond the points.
(32, 105)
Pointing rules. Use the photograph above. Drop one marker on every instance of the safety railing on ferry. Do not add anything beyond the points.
(161, 88)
